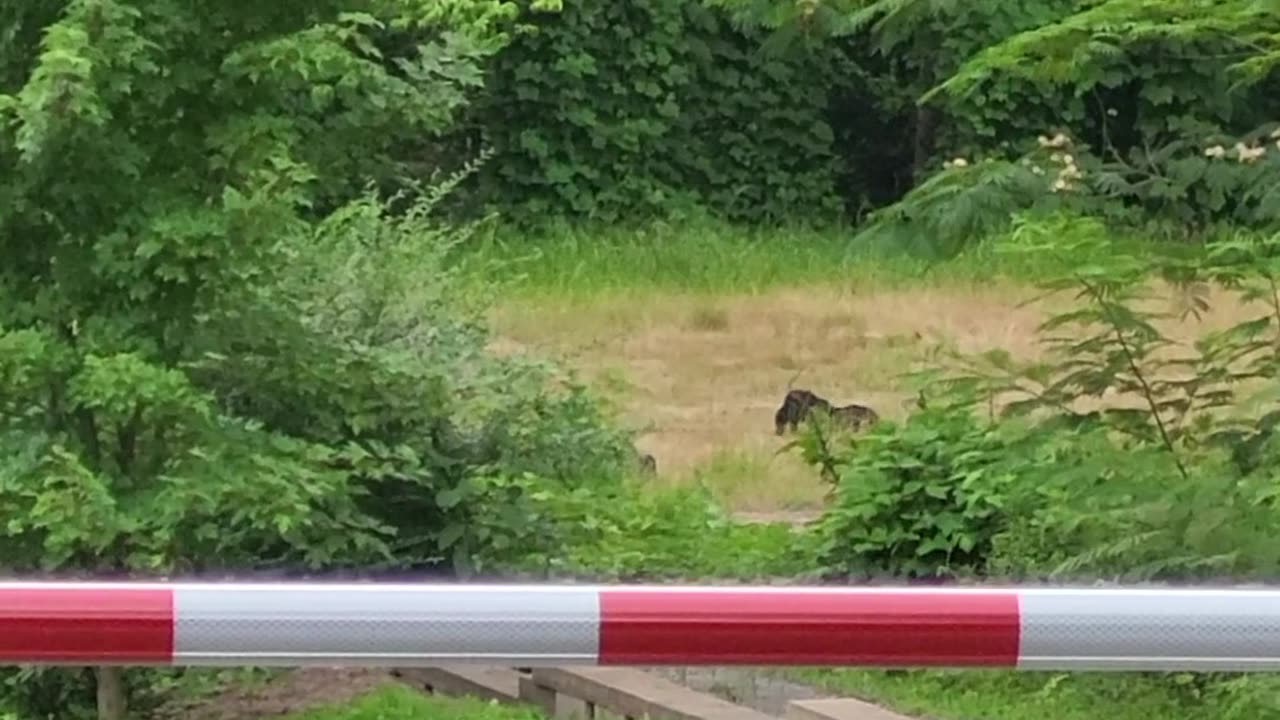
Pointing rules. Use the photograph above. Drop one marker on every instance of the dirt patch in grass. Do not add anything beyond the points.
(702, 375)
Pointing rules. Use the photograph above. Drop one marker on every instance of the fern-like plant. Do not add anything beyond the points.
(963, 203)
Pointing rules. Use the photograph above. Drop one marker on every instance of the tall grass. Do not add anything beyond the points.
(570, 261)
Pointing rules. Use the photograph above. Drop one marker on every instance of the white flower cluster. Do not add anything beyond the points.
(1057, 141)
(956, 163)
(1243, 153)
(1069, 172)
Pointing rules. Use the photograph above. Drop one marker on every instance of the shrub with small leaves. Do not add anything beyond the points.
(919, 499)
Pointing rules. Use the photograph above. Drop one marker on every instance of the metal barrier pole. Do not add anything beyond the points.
(402, 624)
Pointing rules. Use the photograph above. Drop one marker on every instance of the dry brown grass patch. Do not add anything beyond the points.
(708, 388)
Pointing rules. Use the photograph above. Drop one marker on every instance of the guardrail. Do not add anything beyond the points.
(423, 625)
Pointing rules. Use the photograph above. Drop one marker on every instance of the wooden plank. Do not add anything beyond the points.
(839, 709)
(637, 694)
(488, 683)
(544, 698)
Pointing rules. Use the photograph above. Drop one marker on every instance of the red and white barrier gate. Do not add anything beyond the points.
(294, 624)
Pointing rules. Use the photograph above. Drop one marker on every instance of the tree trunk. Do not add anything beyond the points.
(926, 131)
(112, 703)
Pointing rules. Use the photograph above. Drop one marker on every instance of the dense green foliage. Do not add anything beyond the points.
(1022, 468)
(1142, 114)
(233, 335)
(220, 347)
(919, 500)
(613, 108)
(1125, 454)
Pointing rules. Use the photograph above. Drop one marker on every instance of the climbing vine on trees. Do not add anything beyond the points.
(615, 108)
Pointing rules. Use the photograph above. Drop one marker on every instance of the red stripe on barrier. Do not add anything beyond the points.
(890, 628)
(89, 625)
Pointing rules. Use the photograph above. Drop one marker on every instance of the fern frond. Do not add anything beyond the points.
(1103, 553)
(1060, 51)
(952, 208)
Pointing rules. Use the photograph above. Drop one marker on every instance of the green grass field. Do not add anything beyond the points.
(696, 333)
(570, 262)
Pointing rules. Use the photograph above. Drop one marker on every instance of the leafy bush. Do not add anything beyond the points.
(637, 106)
(1123, 454)
(1153, 97)
(1126, 514)
(1163, 476)
(631, 533)
(920, 499)
(950, 211)
(1182, 189)
(206, 360)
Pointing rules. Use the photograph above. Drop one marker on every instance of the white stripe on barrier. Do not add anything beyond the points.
(380, 624)
(1149, 629)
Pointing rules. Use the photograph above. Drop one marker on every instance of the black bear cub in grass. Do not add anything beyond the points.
(797, 405)
(645, 463)
(648, 465)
